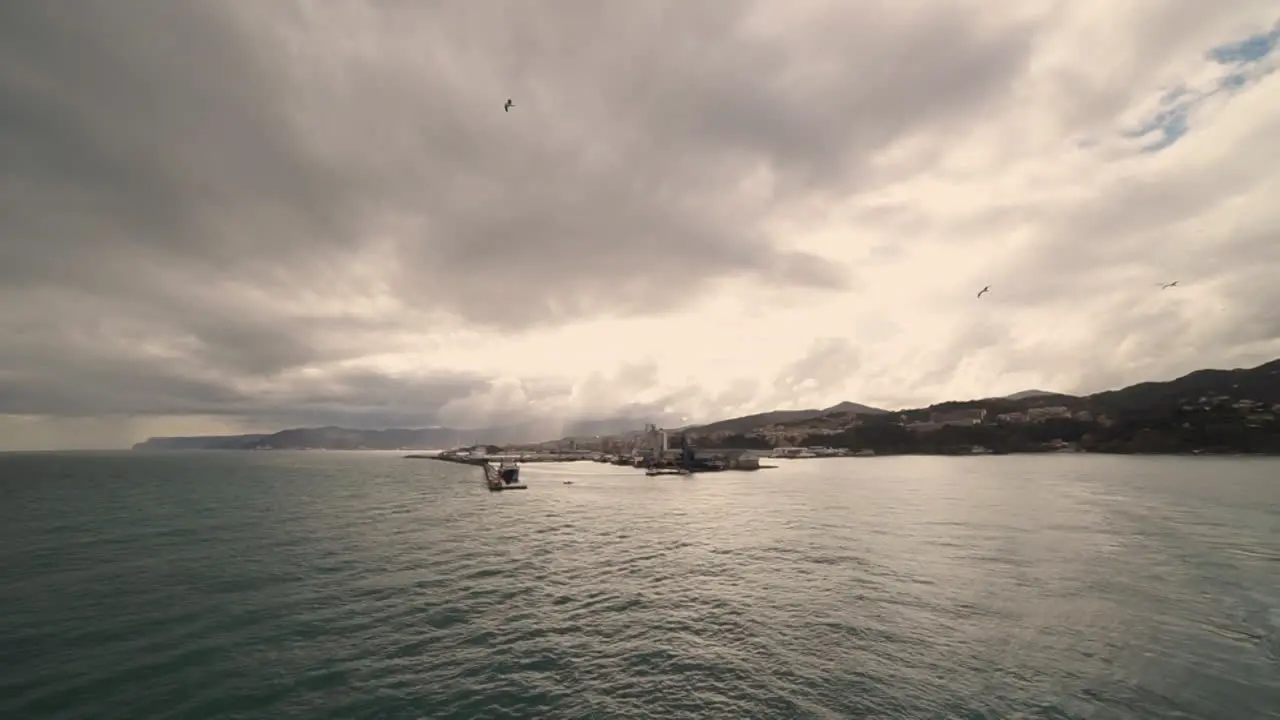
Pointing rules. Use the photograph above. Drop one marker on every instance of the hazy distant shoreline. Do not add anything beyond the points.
(1216, 412)
(421, 454)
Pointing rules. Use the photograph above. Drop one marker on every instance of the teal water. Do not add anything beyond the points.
(349, 585)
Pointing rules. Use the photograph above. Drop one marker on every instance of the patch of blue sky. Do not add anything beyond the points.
(1174, 95)
(1234, 81)
(1167, 127)
(1171, 122)
(1246, 51)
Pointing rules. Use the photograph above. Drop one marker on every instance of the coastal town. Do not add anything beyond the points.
(1207, 411)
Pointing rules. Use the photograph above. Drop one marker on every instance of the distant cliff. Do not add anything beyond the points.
(201, 442)
(339, 438)
(322, 438)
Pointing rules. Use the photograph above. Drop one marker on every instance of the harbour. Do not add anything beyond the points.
(653, 452)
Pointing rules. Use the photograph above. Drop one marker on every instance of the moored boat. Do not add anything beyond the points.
(504, 477)
(666, 471)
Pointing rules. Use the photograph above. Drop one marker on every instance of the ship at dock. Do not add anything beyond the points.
(506, 476)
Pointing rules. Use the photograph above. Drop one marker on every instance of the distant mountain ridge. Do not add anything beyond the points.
(748, 423)
(1260, 383)
(339, 438)
(1029, 394)
(1234, 412)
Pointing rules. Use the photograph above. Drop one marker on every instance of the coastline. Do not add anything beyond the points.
(542, 459)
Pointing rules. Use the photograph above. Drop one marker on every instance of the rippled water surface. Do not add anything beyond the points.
(363, 585)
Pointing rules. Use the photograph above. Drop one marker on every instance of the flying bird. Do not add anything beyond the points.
(1166, 286)
(983, 291)
(508, 106)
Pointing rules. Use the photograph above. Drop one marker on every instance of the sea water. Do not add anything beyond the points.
(364, 585)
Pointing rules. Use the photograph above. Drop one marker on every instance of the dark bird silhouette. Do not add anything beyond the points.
(508, 106)
(1166, 286)
(984, 291)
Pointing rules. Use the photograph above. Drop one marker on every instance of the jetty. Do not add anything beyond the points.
(654, 454)
(506, 476)
(475, 458)
(443, 457)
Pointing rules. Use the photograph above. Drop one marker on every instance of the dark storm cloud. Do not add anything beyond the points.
(227, 340)
(613, 180)
(155, 151)
(190, 134)
(370, 400)
(147, 131)
(96, 387)
(104, 387)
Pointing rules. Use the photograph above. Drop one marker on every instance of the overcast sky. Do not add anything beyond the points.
(218, 216)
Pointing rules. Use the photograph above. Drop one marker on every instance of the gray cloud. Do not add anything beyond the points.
(156, 150)
(77, 386)
(201, 200)
(149, 131)
(195, 136)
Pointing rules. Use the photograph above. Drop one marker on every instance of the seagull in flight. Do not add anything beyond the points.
(984, 291)
(508, 106)
(1166, 286)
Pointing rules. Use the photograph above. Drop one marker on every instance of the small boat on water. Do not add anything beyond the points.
(651, 472)
(504, 477)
